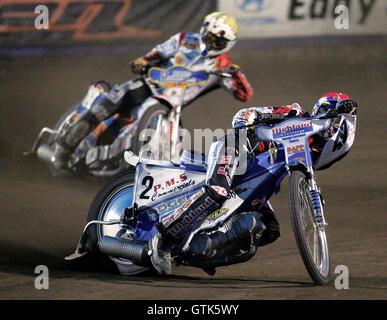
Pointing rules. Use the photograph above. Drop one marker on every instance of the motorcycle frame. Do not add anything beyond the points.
(258, 184)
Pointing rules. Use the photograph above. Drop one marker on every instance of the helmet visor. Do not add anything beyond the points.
(214, 42)
(324, 108)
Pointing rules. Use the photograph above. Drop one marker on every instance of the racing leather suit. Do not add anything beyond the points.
(224, 158)
(181, 49)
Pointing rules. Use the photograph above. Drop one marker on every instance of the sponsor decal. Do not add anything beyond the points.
(179, 74)
(217, 213)
(230, 164)
(225, 160)
(295, 149)
(175, 75)
(170, 182)
(177, 188)
(245, 115)
(179, 59)
(292, 130)
(253, 5)
(164, 188)
(257, 11)
(220, 190)
(341, 138)
(222, 171)
(296, 160)
(191, 215)
(187, 204)
(166, 207)
(190, 41)
(275, 115)
(256, 202)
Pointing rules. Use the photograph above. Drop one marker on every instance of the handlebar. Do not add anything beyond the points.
(220, 74)
(145, 69)
(274, 118)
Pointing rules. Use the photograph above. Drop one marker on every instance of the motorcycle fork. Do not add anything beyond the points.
(317, 203)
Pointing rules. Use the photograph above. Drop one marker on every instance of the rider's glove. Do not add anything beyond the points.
(346, 106)
(137, 65)
(231, 69)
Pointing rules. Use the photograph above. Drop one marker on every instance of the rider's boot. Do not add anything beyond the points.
(174, 227)
(160, 246)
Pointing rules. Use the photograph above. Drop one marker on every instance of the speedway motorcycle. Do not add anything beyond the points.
(123, 213)
(159, 124)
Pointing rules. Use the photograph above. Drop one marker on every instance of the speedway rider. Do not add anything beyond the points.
(224, 158)
(205, 50)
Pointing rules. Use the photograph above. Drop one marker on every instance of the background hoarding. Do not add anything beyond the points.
(293, 18)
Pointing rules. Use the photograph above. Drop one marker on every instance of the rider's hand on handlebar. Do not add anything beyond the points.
(138, 65)
(231, 69)
(345, 106)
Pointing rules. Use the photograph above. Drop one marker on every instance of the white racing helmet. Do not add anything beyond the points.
(219, 33)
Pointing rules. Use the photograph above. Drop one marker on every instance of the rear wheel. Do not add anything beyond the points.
(59, 124)
(311, 241)
(109, 203)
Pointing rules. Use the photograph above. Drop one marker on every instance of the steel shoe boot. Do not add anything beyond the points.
(160, 254)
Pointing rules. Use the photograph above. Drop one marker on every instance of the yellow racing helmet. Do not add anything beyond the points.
(219, 33)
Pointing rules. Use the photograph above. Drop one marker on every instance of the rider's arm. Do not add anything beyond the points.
(237, 85)
(249, 115)
(159, 53)
(294, 110)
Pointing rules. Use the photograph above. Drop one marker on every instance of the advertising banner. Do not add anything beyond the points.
(73, 22)
(293, 18)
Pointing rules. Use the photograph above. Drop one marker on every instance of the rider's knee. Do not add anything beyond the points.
(122, 97)
(77, 130)
(217, 193)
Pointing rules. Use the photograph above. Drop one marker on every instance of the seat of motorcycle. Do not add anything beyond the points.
(193, 160)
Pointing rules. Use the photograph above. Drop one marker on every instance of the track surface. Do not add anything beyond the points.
(41, 216)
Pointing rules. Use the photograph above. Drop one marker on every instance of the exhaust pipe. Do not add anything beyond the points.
(45, 153)
(135, 251)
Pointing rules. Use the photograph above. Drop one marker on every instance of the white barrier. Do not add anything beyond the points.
(292, 18)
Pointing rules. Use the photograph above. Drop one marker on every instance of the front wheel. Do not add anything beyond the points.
(149, 121)
(109, 203)
(311, 241)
